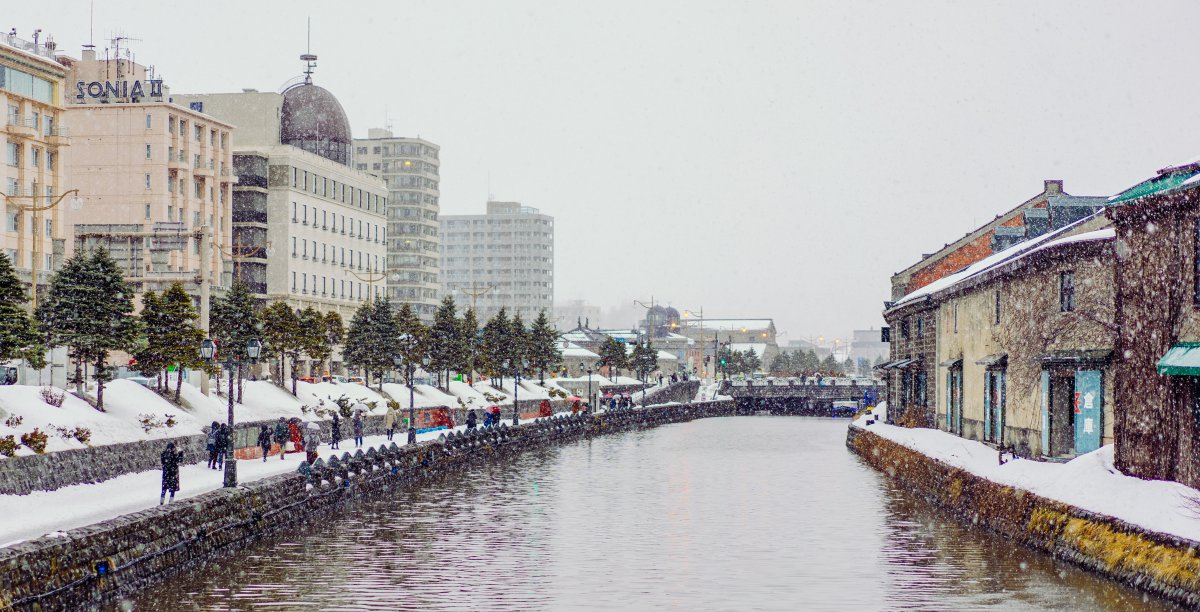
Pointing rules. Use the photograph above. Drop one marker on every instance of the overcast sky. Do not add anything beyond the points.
(754, 159)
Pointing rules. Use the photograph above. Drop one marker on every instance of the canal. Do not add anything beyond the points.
(738, 513)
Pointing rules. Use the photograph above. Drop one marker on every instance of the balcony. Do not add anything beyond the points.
(21, 126)
(57, 136)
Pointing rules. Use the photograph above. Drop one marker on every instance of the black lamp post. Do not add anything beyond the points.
(517, 367)
(208, 350)
(583, 367)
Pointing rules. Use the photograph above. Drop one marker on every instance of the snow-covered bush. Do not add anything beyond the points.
(151, 421)
(52, 397)
(8, 446)
(82, 434)
(13, 421)
(36, 440)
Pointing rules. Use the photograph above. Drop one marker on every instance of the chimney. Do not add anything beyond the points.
(1053, 187)
(89, 53)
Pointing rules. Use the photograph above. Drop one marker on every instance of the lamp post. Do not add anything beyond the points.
(699, 313)
(231, 363)
(34, 209)
(583, 367)
(517, 366)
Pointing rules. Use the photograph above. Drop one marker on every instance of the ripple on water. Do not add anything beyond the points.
(741, 513)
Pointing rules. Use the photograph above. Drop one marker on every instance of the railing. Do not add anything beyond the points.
(24, 121)
(58, 131)
(43, 49)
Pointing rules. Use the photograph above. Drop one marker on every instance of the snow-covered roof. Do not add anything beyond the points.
(758, 347)
(737, 324)
(1049, 240)
(570, 349)
(663, 355)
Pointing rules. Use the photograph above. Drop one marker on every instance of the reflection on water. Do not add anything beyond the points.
(739, 513)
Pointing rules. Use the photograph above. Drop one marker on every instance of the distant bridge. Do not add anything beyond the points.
(794, 396)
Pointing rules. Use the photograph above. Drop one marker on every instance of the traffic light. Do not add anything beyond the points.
(722, 362)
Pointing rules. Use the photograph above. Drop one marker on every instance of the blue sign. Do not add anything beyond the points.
(118, 89)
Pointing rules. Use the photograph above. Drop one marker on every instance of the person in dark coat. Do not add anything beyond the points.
(281, 435)
(264, 441)
(357, 422)
(471, 419)
(170, 459)
(211, 444)
(336, 436)
(222, 444)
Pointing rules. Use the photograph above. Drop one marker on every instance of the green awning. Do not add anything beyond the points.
(1182, 359)
(1155, 185)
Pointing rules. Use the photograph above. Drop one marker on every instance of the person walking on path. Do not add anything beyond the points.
(281, 436)
(389, 421)
(211, 444)
(222, 444)
(357, 423)
(471, 418)
(336, 436)
(170, 459)
(264, 441)
(312, 439)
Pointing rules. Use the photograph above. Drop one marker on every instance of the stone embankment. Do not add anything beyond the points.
(86, 566)
(1159, 563)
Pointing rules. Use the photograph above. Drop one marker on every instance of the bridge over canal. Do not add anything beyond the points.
(794, 396)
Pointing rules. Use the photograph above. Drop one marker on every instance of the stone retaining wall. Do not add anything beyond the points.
(1159, 563)
(94, 564)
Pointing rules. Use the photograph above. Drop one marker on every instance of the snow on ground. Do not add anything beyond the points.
(424, 396)
(597, 380)
(42, 512)
(1089, 481)
(313, 394)
(625, 380)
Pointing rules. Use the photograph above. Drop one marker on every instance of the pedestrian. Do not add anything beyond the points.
(264, 441)
(357, 424)
(336, 434)
(211, 444)
(312, 440)
(471, 420)
(660, 379)
(281, 436)
(389, 421)
(170, 459)
(222, 444)
(294, 434)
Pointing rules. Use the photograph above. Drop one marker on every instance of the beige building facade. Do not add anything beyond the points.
(33, 175)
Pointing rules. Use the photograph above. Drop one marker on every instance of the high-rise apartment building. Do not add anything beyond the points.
(151, 175)
(502, 258)
(410, 168)
(32, 176)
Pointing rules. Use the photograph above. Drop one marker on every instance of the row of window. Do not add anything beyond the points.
(408, 148)
(19, 263)
(329, 287)
(12, 156)
(323, 250)
(198, 131)
(329, 221)
(500, 221)
(12, 223)
(338, 192)
(25, 84)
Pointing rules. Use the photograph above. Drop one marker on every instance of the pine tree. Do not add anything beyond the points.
(152, 358)
(612, 355)
(280, 334)
(89, 310)
(180, 336)
(412, 340)
(518, 345)
(233, 322)
(750, 362)
(335, 330)
(644, 359)
(830, 365)
(494, 347)
(468, 330)
(19, 335)
(312, 338)
(357, 343)
(779, 363)
(544, 353)
(446, 342)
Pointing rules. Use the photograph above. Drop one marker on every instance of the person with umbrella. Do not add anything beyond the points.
(170, 459)
(357, 422)
(312, 439)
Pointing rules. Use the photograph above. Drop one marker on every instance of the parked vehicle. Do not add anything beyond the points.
(358, 380)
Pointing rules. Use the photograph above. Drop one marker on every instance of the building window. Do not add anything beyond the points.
(293, 280)
(920, 326)
(904, 329)
(147, 182)
(147, 148)
(49, 160)
(35, 157)
(147, 211)
(148, 121)
(13, 155)
(996, 318)
(956, 317)
(1066, 291)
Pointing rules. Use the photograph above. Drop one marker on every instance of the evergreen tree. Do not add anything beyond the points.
(152, 357)
(612, 355)
(830, 365)
(494, 345)
(233, 322)
(335, 333)
(780, 365)
(518, 345)
(370, 342)
(281, 335)
(750, 362)
(357, 343)
(412, 340)
(446, 342)
(19, 335)
(810, 363)
(313, 339)
(725, 361)
(89, 310)
(544, 353)
(468, 329)
(644, 359)
(179, 336)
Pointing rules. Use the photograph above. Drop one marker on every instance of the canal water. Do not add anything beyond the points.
(738, 513)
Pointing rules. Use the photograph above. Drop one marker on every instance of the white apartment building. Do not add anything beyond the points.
(502, 258)
(32, 175)
(410, 167)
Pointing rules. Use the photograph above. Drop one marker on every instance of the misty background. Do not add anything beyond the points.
(756, 159)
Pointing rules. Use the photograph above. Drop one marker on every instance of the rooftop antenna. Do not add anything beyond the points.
(91, 25)
(310, 60)
(387, 122)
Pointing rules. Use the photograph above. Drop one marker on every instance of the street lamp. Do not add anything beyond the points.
(517, 367)
(700, 314)
(583, 367)
(208, 352)
(34, 209)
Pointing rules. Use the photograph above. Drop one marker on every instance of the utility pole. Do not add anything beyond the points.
(476, 293)
(205, 296)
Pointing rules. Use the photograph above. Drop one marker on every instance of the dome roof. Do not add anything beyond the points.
(313, 119)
